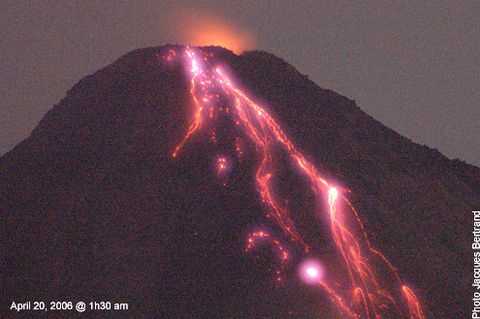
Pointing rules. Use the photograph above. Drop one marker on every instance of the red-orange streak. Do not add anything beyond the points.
(197, 118)
(412, 303)
(338, 300)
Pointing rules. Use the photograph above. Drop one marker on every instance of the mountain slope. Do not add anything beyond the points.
(95, 207)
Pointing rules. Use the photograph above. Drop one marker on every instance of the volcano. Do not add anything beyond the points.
(95, 207)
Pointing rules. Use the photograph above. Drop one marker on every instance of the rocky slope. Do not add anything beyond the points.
(94, 207)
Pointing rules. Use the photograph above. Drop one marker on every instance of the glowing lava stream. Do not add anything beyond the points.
(364, 296)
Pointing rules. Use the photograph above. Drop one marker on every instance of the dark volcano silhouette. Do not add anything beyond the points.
(94, 207)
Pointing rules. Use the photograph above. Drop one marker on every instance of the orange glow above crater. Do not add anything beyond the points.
(203, 29)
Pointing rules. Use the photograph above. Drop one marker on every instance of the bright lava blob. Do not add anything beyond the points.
(310, 271)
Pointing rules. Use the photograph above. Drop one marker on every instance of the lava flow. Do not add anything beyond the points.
(365, 294)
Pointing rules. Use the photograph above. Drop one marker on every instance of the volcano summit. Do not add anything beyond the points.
(192, 183)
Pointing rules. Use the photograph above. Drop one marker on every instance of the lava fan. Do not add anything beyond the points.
(364, 296)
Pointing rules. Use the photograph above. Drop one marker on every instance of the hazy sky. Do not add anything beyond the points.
(411, 65)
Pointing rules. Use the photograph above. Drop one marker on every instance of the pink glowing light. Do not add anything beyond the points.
(310, 271)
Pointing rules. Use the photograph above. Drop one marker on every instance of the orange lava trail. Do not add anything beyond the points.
(365, 295)
(197, 120)
(414, 306)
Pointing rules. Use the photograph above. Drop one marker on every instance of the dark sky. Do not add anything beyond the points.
(411, 65)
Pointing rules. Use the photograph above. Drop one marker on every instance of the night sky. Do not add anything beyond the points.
(412, 66)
